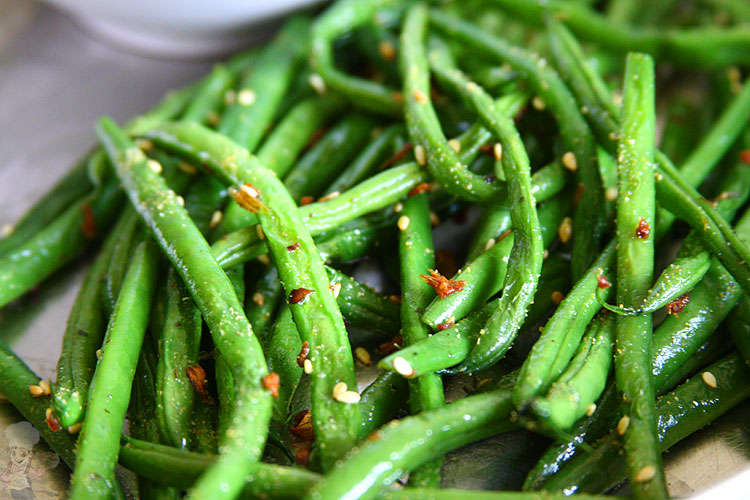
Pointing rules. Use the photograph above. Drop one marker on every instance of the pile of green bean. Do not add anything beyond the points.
(601, 156)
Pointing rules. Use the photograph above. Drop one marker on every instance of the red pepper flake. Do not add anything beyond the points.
(272, 382)
(643, 229)
(299, 295)
(306, 200)
(579, 193)
(602, 282)
(395, 299)
(197, 377)
(391, 346)
(302, 457)
(89, 223)
(397, 156)
(505, 234)
(293, 247)
(445, 326)
(302, 426)
(745, 156)
(419, 189)
(302, 356)
(248, 197)
(442, 285)
(487, 149)
(317, 135)
(51, 420)
(678, 305)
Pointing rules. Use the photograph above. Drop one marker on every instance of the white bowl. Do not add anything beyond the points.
(180, 28)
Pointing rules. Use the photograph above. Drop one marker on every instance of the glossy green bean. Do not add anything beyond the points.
(381, 402)
(109, 393)
(209, 96)
(263, 301)
(212, 292)
(576, 135)
(337, 20)
(282, 347)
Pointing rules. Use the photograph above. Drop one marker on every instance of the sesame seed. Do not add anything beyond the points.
(144, 144)
(403, 222)
(49, 413)
(455, 144)
(611, 194)
(420, 155)
(387, 50)
(434, 219)
(557, 297)
(246, 97)
(403, 367)
(154, 165)
(420, 96)
(180, 200)
(348, 397)
(490, 243)
(622, 425)
(216, 219)
(259, 299)
(98, 353)
(45, 387)
(318, 84)
(339, 388)
(645, 474)
(36, 391)
(330, 196)
(75, 428)
(709, 379)
(591, 409)
(565, 231)
(336, 289)
(187, 168)
(307, 366)
(497, 150)
(7, 230)
(538, 103)
(264, 259)
(398, 207)
(259, 232)
(363, 356)
(229, 97)
(569, 161)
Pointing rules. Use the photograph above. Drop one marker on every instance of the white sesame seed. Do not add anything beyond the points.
(7, 230)
(490, 243)
(348, 397)
(455, 144)
(363, 356)
(565, 231)
(590, 409)
(75, 428)
(403, 222)
(307, 366)
(259, 299)
(420, 155)
(246, 97)
(143, 144)
(45, 387)
(264, 259)
(645, 474)
(187, 168)
(98, 353)
(154, 165)
(336, 289)
(538, 103)
(569, 161)
(497, 150)
(339, 388)
(622, 425)
(434, 219)
(330, 196)
(36, 391)
(259, 232)
(180, 200)
(403, 367)
(317, 83)
(216, 218)
(398, 207)
(611, 194)
(709, 379)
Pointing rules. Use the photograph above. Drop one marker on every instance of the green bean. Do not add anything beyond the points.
(209, 96)
(484, 276)
(262, 304)
(281, 351)
(581, 384)
(109, 393)
(576, 135)
(129, 236)
(381, 401)
(355, 240)
(261, 91)
(73, 186)
(545, 183)
(313, 173)
(680, 413)
(212, 292)
(300, 268)
(337, 20)
(83, 336)
(57, 243)
(696, 47)
(417, 255)
(379, 45)
(371, 157)
(279, 151)
(636, 207)
(204, 198)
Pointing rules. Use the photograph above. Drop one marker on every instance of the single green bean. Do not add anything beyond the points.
(209, 96)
